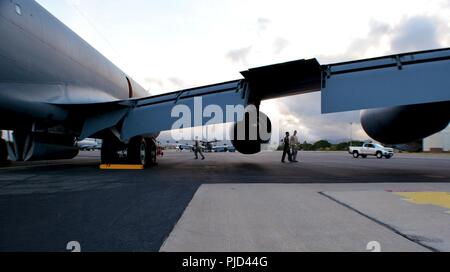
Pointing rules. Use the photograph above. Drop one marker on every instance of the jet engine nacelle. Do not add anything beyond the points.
(249, 134)
(405, 124)
(41, 146)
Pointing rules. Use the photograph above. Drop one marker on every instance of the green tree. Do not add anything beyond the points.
(341, 146)
(321, 145)
(356, 143)
(306, 146)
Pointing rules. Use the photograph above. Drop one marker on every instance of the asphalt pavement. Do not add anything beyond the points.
(327, 202)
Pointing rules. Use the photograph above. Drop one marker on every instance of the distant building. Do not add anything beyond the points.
(439, 142)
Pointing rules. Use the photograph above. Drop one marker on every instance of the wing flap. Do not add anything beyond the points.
(397, 80)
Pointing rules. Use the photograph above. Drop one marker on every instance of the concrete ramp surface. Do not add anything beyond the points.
(276, 217)
(420, 216)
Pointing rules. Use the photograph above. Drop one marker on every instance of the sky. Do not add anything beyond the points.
(175, 44)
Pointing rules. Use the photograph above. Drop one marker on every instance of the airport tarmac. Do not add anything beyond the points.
(229, 202)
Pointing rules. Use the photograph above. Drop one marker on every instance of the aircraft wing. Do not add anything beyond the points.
(154, 114)
(402, 79)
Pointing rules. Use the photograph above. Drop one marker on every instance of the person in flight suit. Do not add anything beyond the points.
(286, 148)
(198, 149)
(294, 145)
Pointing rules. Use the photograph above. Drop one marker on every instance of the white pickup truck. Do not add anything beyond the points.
(371, 149)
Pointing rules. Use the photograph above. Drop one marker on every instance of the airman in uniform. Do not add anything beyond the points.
(294, 146)
(286, 149)
(198, 149)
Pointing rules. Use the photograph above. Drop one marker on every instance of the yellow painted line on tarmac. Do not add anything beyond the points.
(121, 167)
(441, 199)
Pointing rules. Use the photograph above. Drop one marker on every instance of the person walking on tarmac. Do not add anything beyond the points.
(198, 149)
(286, 149)
(294, 145)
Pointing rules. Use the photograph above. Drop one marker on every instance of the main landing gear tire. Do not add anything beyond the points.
(110, 147)
(3, 152)
(142, 151)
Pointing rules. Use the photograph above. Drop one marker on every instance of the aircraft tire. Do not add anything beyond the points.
(142, 151)
(109, 151)
(3, 152)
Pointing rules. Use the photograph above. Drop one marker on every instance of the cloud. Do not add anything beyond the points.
(279, 45)
(263, 23)
(360, 47)
(177, 82)
(162, 85)
(154, 82)
(445, 4)
(411, 34)
(239, 55)
(378, 28)
(303, 113)
(75, 3)
(417, 33)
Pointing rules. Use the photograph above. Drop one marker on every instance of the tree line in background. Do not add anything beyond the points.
(324, 145)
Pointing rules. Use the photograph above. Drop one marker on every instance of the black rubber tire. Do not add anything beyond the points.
(109, 150)
(364, 156)
(388, 157)
(153, 151)
(355, 154)
(379, 155)
(134, 150)
(142, 151)
(3, 152)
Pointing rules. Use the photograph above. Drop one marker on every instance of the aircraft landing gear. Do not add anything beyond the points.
(3, 152)
(142, 151)
(110, 148)
(139, 150)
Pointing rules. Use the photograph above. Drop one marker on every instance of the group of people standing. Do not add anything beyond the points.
(291, 145)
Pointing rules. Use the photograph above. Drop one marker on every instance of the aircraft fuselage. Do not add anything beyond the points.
(44, 65)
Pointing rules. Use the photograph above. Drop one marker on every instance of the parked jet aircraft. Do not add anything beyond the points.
(55, 88)
(223, 148)
(89, 144)
(208, 145)
(183, 147)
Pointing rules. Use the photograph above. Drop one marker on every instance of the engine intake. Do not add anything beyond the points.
(41, 146)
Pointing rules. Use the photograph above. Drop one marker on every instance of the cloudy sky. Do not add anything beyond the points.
(174, 44)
